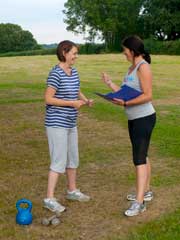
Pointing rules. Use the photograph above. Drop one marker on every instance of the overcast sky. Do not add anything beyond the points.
(43, 18)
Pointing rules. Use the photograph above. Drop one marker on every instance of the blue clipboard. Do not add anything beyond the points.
(125, 93)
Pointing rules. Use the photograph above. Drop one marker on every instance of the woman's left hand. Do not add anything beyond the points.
(90, 102)
(118, 101)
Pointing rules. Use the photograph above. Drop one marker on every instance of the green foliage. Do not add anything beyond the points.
(163, 47)
(114, 19)
(91, 48)
(117, 19)
(153, 46)
(50, 51)
(161, 18)
(13, 38)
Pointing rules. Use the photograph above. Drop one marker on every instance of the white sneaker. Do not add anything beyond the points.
(77, 195)
(135, 209)
(53, 205)
(148, 196)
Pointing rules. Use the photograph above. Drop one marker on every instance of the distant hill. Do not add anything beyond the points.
(49, 46)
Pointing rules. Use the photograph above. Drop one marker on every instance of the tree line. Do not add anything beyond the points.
(14, 38)
(112, 20)
(115, 19)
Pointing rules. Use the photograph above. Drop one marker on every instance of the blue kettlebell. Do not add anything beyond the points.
(24, 215)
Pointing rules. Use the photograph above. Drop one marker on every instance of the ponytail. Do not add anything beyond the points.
(146, 57)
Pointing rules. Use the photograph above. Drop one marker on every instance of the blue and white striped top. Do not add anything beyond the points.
(67, 88)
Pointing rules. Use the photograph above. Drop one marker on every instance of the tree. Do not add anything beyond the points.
(13, 38)
(161, 18)
(114, 19)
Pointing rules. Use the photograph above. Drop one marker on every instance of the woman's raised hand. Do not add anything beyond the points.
(106, 78)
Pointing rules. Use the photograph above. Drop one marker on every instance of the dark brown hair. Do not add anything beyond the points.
(64, 47)
(135, 44)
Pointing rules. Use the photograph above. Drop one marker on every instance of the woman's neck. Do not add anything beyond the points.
(136, 60)
(66, 67)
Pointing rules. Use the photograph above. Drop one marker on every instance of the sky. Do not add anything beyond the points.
(43, 18)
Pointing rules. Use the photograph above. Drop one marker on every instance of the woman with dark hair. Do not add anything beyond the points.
(63, 99)
(141, 118)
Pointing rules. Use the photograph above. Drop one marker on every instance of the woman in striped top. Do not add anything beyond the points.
(63, 99)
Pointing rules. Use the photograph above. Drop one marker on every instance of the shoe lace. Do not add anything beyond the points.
(149, 193)
(54, 203)
(134, 206)
(79, 193)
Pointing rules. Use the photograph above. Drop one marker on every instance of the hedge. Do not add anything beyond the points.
(153, 46)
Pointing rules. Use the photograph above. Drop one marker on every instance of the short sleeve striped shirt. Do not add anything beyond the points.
(67, 88)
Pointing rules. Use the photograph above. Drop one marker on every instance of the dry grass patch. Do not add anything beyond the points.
(168, 101)
(106, 173)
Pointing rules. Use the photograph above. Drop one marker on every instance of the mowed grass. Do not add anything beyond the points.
(106, 171)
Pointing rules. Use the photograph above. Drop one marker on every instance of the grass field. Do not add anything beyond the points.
(106, 172)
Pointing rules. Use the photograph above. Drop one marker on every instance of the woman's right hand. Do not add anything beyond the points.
(78, 103)
(106, 79)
